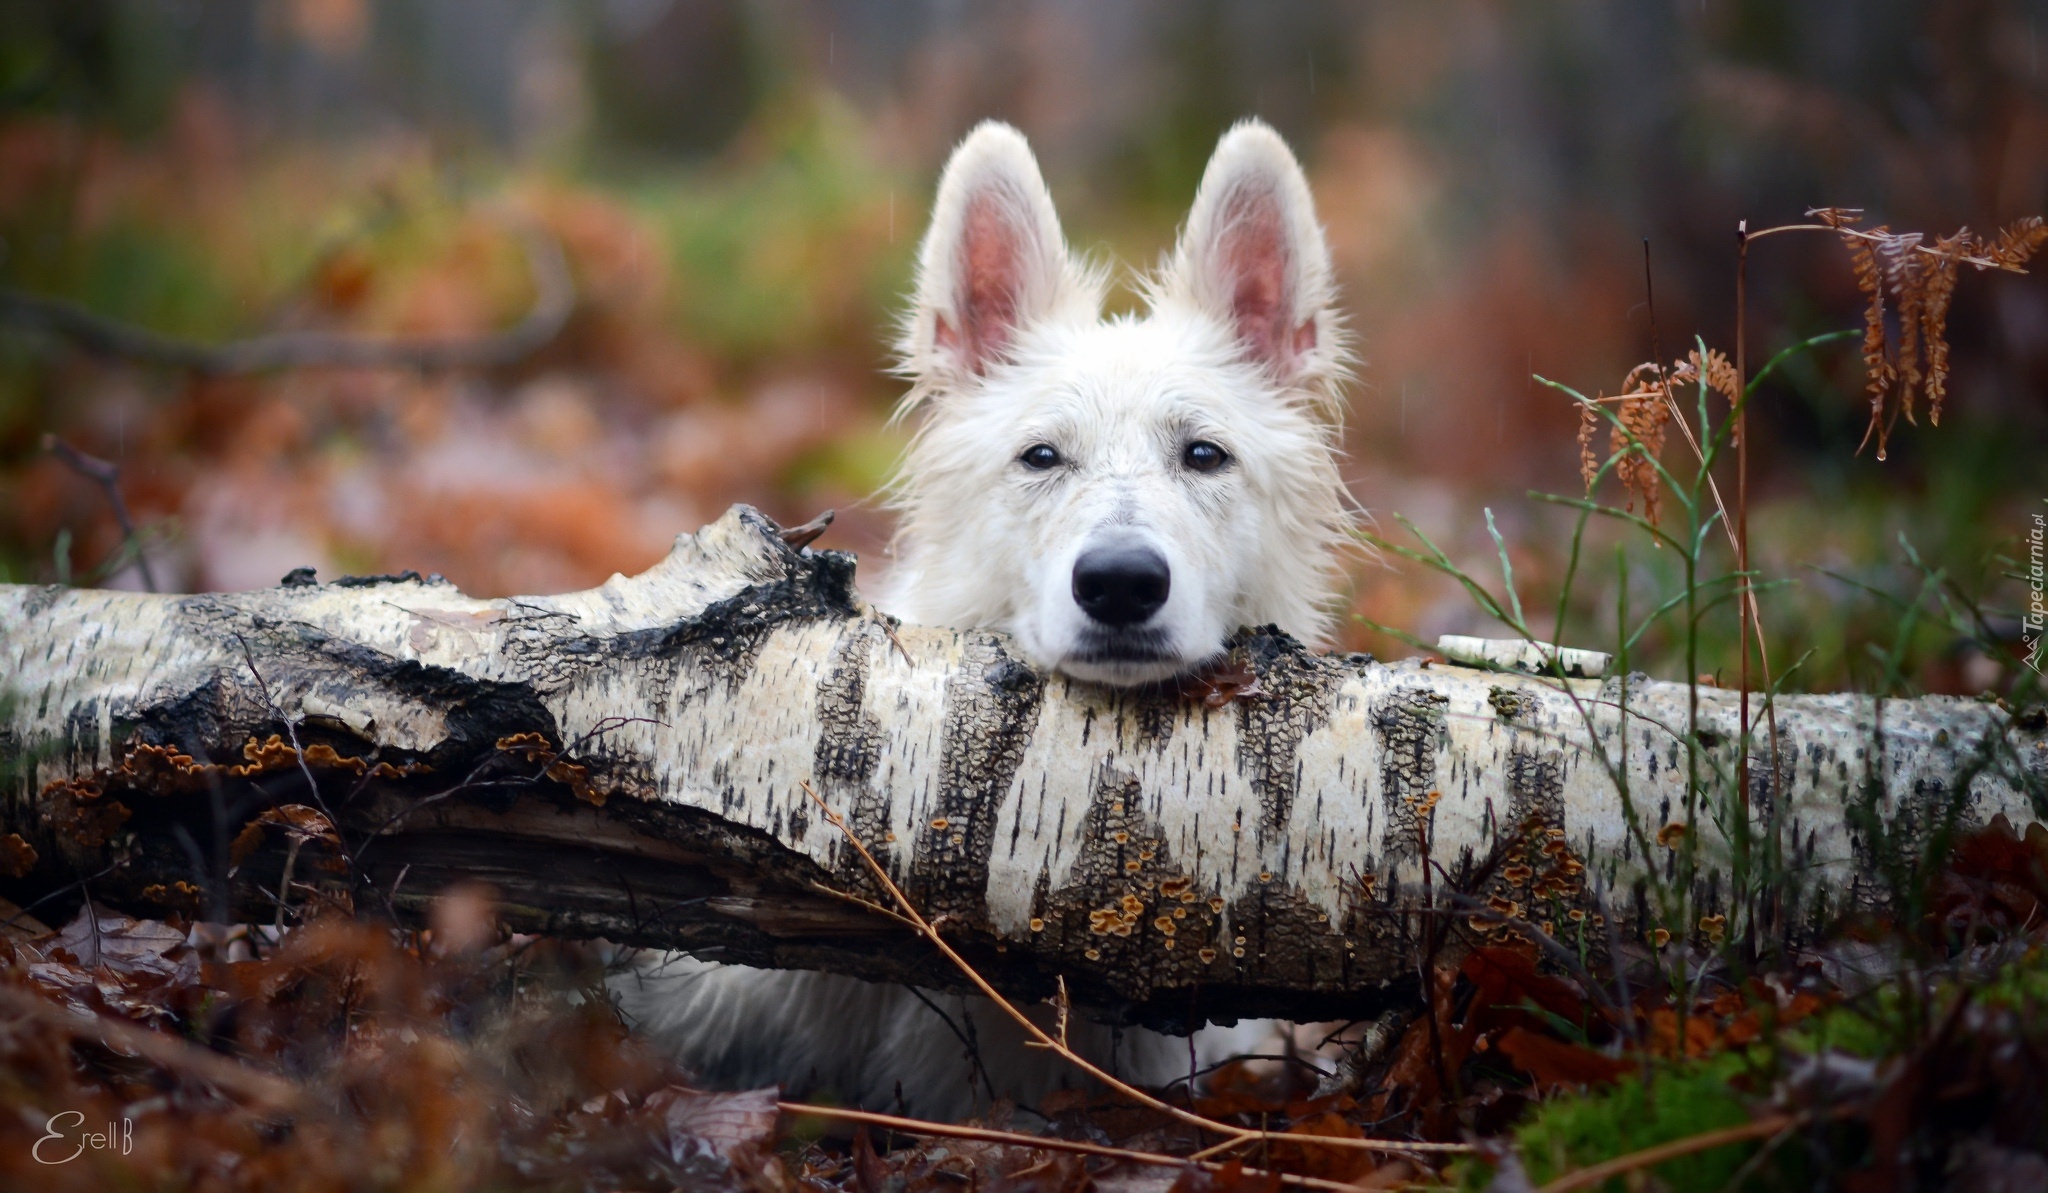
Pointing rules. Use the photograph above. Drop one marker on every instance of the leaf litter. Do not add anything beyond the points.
(467, 1058)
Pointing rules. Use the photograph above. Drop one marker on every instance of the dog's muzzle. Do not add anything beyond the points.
(1121, 586)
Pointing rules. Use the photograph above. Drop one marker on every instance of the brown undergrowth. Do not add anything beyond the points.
(346, 1055)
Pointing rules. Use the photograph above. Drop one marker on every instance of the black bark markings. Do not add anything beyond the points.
(1298, 689)
(1894, 829)
(475, 711)
(718, 643)
(1533, 873)
(991, 707)
(1536, 788)
(1128, 905)
(850, 749)
(725, 638)
(1410, 733)
(1280, 937)
(1154, 716)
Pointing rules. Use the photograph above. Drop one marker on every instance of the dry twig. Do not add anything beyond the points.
(1586, 1178)
(913, 1126)
(107, 475)
(1232, 1134)
(799, 537)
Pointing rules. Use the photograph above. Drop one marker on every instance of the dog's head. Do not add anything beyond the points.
(1121, 494)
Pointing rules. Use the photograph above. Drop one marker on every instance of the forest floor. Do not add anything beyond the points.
(1897, 1053)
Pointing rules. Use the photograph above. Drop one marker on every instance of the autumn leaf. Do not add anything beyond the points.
(301, 824)
(1553, 1064)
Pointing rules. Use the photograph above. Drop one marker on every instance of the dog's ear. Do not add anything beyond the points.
(992, 261)
(1253, 255)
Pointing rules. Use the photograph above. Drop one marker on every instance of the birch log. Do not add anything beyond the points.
(631, 762)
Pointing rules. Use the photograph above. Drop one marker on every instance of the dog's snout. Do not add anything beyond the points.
(1121, 585)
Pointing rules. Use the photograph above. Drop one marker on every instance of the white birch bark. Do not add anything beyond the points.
(1268, 854)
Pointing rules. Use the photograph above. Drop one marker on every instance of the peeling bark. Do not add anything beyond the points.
(630, 762)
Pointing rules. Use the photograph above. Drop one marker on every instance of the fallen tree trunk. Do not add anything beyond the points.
(633, 762)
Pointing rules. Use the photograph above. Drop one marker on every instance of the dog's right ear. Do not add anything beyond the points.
(992, 261)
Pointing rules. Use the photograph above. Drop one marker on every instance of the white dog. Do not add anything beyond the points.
(1119, 495)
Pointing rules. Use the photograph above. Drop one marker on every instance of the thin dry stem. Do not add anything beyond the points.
(930, 932)
(890, 629)
(913, 1126)
(868, 904)
(1586, 1178)
(1980, 262)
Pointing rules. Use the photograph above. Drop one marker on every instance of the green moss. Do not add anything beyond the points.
(2023, 985)
(1576, 1131)
(1573, 1132)
(1883, 1025)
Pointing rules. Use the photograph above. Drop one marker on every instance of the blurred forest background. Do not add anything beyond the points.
(738, 187)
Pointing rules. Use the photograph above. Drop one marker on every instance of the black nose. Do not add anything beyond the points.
(1121, 586)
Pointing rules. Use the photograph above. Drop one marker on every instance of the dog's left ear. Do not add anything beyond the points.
(1253, 256)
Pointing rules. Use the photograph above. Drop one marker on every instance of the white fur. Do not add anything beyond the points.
(985, 541)
(1007, 348)
(879, 1046)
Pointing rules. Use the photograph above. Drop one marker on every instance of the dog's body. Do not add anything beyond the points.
(1119, 495)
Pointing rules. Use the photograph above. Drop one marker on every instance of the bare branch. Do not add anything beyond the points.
(107, 475)
(554, 300)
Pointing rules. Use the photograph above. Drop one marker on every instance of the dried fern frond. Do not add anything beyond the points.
(1589, 421)
(1638, 439)
(1905, 271)
(2017, 242)
(1720, 373)
(1940, 286)
(1877, 363)
(1921, 278)
(1631, 385)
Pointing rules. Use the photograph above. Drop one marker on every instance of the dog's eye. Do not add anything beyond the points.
(1040, 456)
(1203, 456)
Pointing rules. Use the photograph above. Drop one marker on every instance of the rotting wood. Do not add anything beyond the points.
(628, 762)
